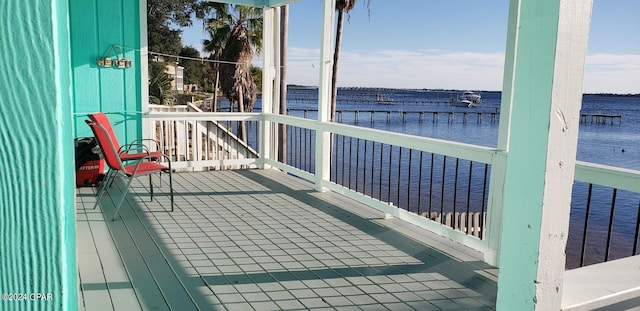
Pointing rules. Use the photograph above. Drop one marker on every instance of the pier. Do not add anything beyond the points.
(434, 116)
(600, 118)
(373, 100)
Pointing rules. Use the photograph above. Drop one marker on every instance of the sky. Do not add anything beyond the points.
(446, 44)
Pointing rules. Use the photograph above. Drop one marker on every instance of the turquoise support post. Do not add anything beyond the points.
(37, 204)
(543, 90)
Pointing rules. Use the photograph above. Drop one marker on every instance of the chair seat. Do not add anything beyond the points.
(154, 155)
(144, 168)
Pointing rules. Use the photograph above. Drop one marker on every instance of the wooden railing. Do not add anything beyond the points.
(196, 143)
(605, 214)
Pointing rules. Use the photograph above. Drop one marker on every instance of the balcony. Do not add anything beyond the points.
(529, 175)
(265, 240)
(409, 222)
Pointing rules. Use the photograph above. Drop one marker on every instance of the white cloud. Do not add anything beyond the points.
(612, 73)
(450, 70)
(403, 69)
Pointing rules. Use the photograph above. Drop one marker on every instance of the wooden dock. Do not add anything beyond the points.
(451, 116)
(434, 116)
(600, 118)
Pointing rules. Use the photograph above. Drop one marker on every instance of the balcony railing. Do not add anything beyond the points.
(194, 141)
(605, 218)
(447, 187)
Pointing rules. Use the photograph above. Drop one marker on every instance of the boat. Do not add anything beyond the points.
(468, 99)
(382, 99)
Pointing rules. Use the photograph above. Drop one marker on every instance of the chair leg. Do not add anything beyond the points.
(171, 189)
(104, 181)
(111, 182)
(103, 186)
(124, 194)
(151, 187)
(99, 197)
(109, 179)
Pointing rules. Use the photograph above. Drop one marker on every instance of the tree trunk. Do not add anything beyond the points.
(242, 130)
(214, 107)
(282, 130)
(336, 56)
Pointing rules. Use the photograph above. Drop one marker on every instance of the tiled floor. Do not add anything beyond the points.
(263, 240)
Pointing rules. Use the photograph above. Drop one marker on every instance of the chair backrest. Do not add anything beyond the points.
(107, 145)
(101, 119)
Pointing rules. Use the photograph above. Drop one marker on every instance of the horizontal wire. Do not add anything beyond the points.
(202, 60)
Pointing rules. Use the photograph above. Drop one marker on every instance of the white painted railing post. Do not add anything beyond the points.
(323, 138)
(144, 76)
(498, 166)
(543, 85)
(493, 225)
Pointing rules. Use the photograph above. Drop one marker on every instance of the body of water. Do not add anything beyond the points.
(616, 145)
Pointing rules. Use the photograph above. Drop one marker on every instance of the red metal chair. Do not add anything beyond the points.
(133, 151)
(143, 166)
(126, 152)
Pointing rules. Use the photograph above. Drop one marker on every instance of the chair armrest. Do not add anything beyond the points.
(141, 141)
(135, 147)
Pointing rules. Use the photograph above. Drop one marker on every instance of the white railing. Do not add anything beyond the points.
(473, 223)
(609, 176)
(165, 108)
(196, 140)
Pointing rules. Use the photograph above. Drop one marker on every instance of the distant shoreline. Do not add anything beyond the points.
(297, 86)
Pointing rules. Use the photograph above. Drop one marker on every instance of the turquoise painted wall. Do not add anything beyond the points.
(37, 204)
(96, 25)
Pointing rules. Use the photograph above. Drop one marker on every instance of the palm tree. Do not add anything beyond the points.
(235, 70)
(160, 91)
(343, 7)
(219, 28)
(236, 31)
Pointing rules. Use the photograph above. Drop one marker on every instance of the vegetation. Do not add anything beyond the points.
(256, 76)
(194, 70)
(235, 35)
(163, 39)
(160, 92)
(161, 14)
(236, 32)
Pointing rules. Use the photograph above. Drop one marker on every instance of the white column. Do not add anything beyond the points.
(275, 83)
(323, 147)
(544, 95)
(144, 74)
(268, 77)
